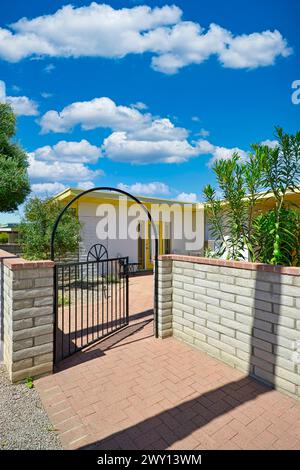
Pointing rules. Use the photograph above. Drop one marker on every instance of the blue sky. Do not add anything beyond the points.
(148, 102)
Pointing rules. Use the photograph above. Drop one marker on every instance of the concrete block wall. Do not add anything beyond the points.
(245, 314)
(165, 298)
(28, 318)
(12, 248)
(3, 255)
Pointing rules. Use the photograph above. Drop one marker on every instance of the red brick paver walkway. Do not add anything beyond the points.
(135, 392)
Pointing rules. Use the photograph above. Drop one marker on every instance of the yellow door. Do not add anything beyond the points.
(150, 243)
(166, 238)
(149, 264)
(141, 250)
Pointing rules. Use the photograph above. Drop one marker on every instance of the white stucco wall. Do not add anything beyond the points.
(87, 213)
(89, 219)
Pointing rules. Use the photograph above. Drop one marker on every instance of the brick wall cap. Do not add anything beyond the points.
(20, 263)
(6, 254)
(290, 270)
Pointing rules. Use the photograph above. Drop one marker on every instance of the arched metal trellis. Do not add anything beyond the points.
(113, 262)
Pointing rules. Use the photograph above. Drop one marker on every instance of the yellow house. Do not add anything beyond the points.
(98, 207)
(95, 206)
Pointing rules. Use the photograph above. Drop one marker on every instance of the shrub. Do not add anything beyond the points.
(3, 238)
(63, 300)
(272, 237)
(266, 234)
(231, 220)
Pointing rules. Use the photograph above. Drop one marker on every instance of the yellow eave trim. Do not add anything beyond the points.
(71, 192)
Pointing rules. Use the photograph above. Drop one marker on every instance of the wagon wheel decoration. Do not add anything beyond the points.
(97, 252)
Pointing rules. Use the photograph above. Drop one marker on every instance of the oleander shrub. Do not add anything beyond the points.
(242, 230)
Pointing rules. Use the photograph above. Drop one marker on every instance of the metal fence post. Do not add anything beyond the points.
(127, 289)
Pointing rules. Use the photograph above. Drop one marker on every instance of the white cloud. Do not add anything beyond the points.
(270, 143)
(224, 153)
(46, 95)
(99, 30)
(254, 50)
(96, 30)
(2, 92)
(187, 43)
(146, 189)
(65, 161)
(195, 118)
(99, 112)
(203, 133)
(49, 68)
(119, 147)
(16, 88)
(136, 138)
(21, 105)
(139, 105)
(47, 189)
(86, 185)
(159, 129)
(105, 113)
(77, 152)
(187, 197)
(59, 171)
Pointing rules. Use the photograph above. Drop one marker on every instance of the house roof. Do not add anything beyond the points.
(8, 227)
(266, 199)
(71, 192)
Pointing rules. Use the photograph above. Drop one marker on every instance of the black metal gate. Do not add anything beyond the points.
(91, 302)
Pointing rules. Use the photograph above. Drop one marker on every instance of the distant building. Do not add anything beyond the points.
(11, 230)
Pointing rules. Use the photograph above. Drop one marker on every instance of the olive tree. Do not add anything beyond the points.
(36, 228)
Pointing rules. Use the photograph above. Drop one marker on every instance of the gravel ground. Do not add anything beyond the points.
(23, 421)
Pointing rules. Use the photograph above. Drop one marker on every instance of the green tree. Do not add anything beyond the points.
(36, 227)
(14, 182)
